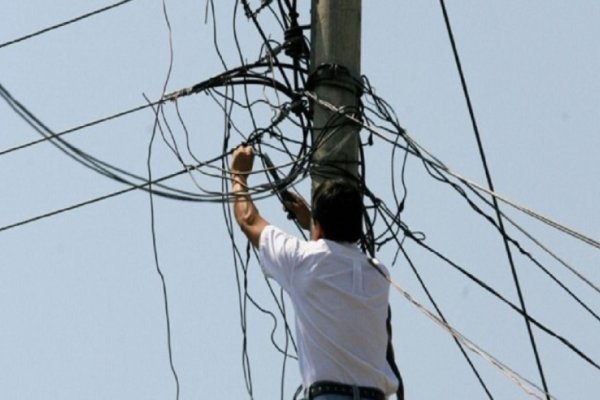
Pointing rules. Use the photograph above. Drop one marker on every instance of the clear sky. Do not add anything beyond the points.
(81, 303)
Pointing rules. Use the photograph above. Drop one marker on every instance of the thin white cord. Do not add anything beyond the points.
(526, 385)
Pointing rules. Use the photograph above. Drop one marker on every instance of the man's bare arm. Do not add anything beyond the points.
(245, 212)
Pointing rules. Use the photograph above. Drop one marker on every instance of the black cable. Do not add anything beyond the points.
(86, 159)
(492, 291)
(495, 201)
(65, 23)
(237, 258)
(88, 202)
(156, 261)
(131, 188)
(383, 209)
(514, 242)
(215, 39)
(443, 318)
(510, 239)
(14, 104)
(266, 41)
(112, 171)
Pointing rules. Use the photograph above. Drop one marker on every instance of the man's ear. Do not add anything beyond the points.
(316, 231)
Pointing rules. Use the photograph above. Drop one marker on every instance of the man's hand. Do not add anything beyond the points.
(298, 206)
(242, 161)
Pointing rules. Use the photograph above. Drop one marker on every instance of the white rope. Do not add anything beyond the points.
(526, 385)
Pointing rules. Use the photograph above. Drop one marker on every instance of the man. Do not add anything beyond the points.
(339, 295)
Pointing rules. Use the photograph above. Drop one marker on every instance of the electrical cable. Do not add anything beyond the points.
(496, 206)
(157, 265)
(88, 202)
(490, 290)
(70, 130)
(156, 125)
(131, 188)
(65, 23)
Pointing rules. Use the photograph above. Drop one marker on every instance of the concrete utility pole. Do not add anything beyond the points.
(335, 69)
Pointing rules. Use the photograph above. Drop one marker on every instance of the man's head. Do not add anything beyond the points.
(337, 209)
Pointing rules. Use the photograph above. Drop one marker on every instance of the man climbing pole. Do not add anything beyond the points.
(339, 295)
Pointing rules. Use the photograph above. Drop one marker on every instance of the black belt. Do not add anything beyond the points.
(326, 387)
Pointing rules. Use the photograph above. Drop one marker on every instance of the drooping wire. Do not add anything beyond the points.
(129, 189)
(14, 104)
(65, 23)
(89, 161)
(225, 79)
(152, 210)
(157, 263)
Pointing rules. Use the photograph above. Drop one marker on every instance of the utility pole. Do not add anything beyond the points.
(335, 74)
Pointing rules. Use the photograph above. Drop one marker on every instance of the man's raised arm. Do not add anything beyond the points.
(246, 213)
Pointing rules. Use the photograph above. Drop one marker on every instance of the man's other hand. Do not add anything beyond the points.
(298, 206)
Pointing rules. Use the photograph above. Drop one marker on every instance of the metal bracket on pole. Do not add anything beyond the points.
(335, 75)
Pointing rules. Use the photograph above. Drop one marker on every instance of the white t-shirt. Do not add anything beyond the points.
(340, 302)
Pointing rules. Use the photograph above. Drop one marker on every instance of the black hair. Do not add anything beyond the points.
(338, 207)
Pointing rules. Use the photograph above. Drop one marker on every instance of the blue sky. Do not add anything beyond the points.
(81, 302)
